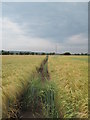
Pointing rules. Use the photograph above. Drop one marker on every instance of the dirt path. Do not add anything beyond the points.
(43, 72)
(30, 114)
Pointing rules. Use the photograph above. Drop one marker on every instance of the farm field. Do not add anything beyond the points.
(70, 76)
(0, 88)
(58, 82)
(17, 71)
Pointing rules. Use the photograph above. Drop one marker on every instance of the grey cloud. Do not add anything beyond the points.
(55, 22)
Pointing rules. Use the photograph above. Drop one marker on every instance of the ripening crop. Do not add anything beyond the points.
(17, 72)
(70, 77)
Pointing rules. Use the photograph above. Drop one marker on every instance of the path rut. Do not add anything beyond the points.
(44, 75)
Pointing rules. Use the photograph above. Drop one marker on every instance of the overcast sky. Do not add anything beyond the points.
(45, 26)
(45, 0)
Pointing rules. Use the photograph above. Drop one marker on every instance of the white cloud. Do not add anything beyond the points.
(79, 39)
(14, 38)
(9, 25)
(76, 44)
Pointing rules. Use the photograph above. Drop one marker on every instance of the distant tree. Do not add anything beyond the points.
(8, 52)
(47, 53)
(82, 54)
(53, 53)
(43, 53)
(50, 53)
(67, 53)
(20, 53)
(5, 52)
(36, 53)
(26, 53)
(76, 54)
(86, 53)
(32, 53)
(2, 51)
(11, 53)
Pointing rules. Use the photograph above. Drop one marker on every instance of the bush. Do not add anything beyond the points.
(67, 53)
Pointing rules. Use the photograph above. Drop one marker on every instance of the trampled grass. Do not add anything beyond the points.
(17, 72)
(70, 77)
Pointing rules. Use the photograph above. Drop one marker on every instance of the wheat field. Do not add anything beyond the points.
(70, 77)
(67, 81)
(16, 75)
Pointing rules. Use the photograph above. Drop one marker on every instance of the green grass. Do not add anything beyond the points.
(70, 77)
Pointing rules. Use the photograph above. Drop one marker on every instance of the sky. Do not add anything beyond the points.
(45, 0)
(45, 27)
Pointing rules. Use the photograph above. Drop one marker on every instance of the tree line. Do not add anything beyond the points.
(24, 53)
(3, 52)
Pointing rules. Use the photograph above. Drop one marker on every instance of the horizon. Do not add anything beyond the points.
(41, 52)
